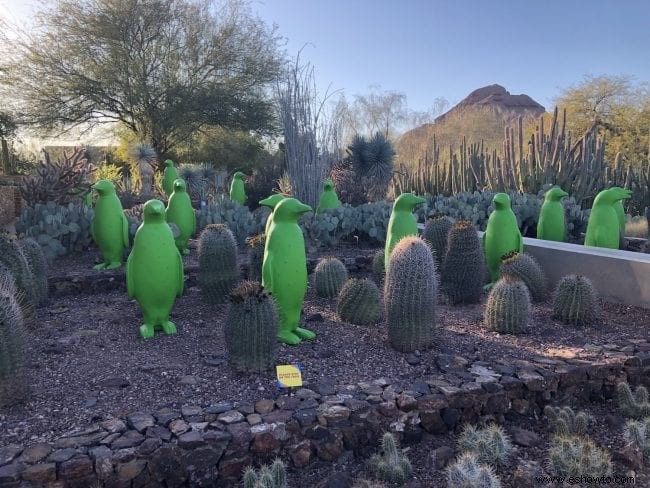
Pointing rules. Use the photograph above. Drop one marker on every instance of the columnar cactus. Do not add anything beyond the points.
(256, 256)
(491, 445)
(525, 267)
(218, 271)
(436, 233)
(378, 269)
(12, 353)
(7, 280)
(410, 295)
(273, 477)
(35, 256)
(392, 465)
(251, 328)
(638, 433)
(575, 301)
(575, 456)
(633, 404)
(467, 472)
(359, 302)
(12, 257)
(508, 307)
(564, 421)
(329, 277)
(463, 267)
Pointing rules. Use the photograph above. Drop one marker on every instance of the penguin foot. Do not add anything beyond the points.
(113, 265)
(169, 328)
(100, 266)
(304, 333)
(289, 338)
(488, 287)
(146, 331)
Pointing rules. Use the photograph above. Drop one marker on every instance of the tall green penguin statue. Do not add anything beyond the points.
(402, 222)
(603, 228)
(284, 271)
(551, 225)
(180, 212)
(237, 191)
(110, 229)
(502, 234)
(154, 271)
(328, 198)
(271, 202)
(169, 176)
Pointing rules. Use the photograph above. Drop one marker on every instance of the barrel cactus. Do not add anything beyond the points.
(255, 256)
(463, 268)
(359, 302)
(378, 268)
(525, 267)
(436, 233)
(508, 306)
(218, 271)
(12, 350)
(329, 277)
(13, 258)
(574, 300)
(251, 328)
(410, 295)
(38, 266)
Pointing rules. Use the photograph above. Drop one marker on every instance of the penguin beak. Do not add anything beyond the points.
(563, 194)
(303, 208)
(266, 202)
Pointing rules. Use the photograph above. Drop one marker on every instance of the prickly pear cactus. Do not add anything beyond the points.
(508, 307)
(463, 268)
(525, 267)
(12, 351)
(255, 246)
(436, 233)
(359, 302)
(218, 270)
(329, 277)
(575, 301)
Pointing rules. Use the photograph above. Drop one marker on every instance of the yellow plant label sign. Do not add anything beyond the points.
(289, 375)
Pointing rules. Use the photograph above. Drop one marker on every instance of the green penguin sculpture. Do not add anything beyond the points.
(284, 271)
(551, 225)
(237, 191)
(180, 212)
(154, 271)
(110, 228)
(502, 234)
(169, 177)
(328, 198)
(271, 202)
(603, 227)
(402, 222)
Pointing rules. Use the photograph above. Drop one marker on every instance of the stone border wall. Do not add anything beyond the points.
(210, 446)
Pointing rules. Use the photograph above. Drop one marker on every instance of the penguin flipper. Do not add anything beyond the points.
(130, 286)
(125, 230)
(267, 272)
(181, 276)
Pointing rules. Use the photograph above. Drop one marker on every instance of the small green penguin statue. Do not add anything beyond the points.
(284, 270)
(271, 202)
(180, 212)
(502, 234)
(551, 225)
(110, 228)
(328, 198)
(169, 176)
(402, 222)
(604, 226)
(237, 192)
(154, 271)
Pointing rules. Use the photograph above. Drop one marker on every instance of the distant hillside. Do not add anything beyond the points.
(482, 115)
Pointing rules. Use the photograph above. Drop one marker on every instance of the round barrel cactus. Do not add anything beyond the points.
(463, 268)
(35, 256)
(575, 301)
(255, 245)
(508, 306)
(525, 267)
(378, 268)
(218, 271)
(359, 302)
(329, 277)
(12, 350)
(436, 233)
(410, 295)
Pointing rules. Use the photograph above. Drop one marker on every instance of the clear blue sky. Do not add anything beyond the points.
(435, 48)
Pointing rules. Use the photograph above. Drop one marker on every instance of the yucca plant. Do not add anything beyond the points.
(468, 472)
(392, 465)
(491, 444)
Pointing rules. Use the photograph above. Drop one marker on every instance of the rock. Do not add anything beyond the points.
(159, 432)
(130, 470)
(419, 386)
(166, 464)
(315, 317)
(325, 387)
(214, 362)
(333, 414)
(441, 456)
(178, 427)
(387, 409)
(149, 445)
(140, 421)
(90, 402)
(447, 362)
(9, 453)
(191, 411)
(629, 456)
(115, 382)
(166, 415)
(113, 426)
(35, 453)
(10, 473)
(75, 468)
(61, 455)
(80, 441)
(300, 453)
(413, 359)
(254, 419)
(264, 406)
(130, 438)
(406, 402)
(231, 417)
(532, 380)
(40, 473)
(523, 437)
(219, 408)
(527, 472)
(337, 480)
(188, 380)
(190, 440)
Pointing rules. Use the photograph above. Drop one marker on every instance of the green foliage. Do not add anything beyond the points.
(392, 465)
(37, 262)
(372, 221)
(329, 227)
(111, 172)
(410, 295)
(58, 229)
(564, 421)
(577, 456)
(218, 270)
(575, 301)
(491, 445)
(200, 179)
(525, 268)
(508, 307)
(359, 302)
(239, 219)
(256, 245)
(638, 433)
(267, 477)
(12, 351)
(633, 404)
(251, 328)
(378, 267)
(436, 233)
(463, 268)
(330, 275)
(468, 472)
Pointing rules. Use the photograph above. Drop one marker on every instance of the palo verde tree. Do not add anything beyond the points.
(161, 68)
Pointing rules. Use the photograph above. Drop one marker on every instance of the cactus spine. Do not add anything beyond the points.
(218, 271)
(574, 300)
(575, 456)
(359, 302)
(256, 256)
(436, 233)
(462, 270)
(12, 350)
(392, 465)
(508, 307)
(467, 472)
(329, 276)
(12, 257)
(491, 445)
(268, 477)
(410, 295)
(378, 269)
(565, 422)
(35, 256)
(634, 405)
(524, 267)
(638, 433)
